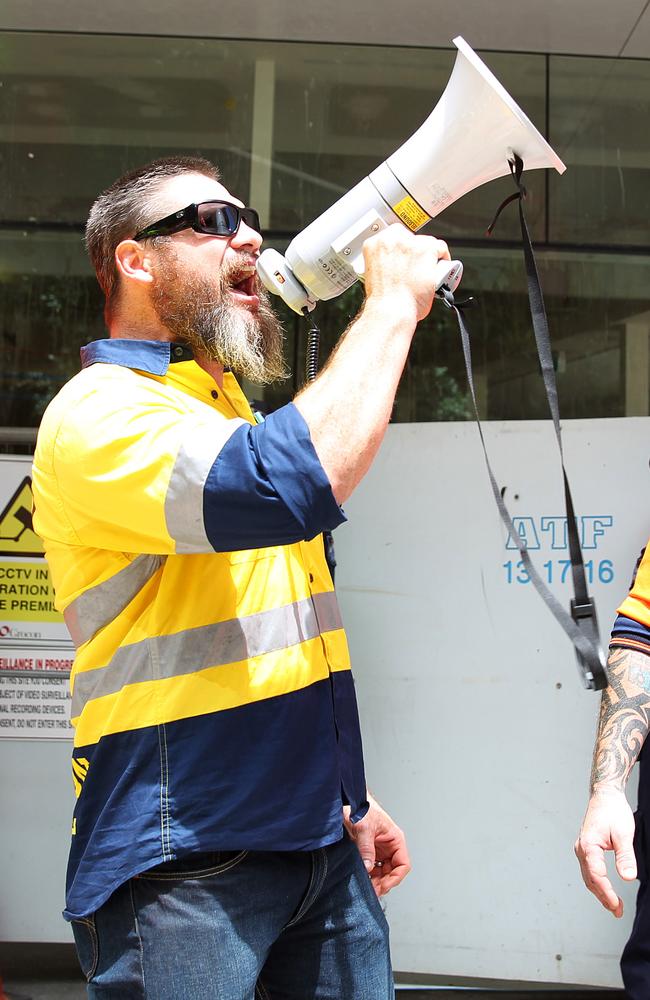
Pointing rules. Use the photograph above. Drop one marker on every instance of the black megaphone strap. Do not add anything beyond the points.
(581, 625)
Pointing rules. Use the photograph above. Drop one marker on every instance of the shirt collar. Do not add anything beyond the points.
(151, 356)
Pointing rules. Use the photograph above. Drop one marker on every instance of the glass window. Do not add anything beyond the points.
(599, 320)
(50, 304)
(599, 113)
(293, 126)
(79, 110)
(340, 111)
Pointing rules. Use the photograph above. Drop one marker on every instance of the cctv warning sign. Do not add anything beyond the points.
(26, 592)
(17, 536)
(36, 652)
(34, 707)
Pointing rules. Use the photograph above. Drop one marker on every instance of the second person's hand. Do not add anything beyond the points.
(608, 826)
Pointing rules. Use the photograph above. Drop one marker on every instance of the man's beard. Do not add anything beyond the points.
(205, 315)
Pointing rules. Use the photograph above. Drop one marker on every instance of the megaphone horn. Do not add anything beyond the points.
(466, 141)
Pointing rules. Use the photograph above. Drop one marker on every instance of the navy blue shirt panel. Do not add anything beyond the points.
(627, 628)
(267, 487)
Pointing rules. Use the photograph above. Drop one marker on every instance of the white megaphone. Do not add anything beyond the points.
(467, 140)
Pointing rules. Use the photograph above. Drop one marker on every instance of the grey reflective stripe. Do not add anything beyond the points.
(101, 604)
(327, 611)
(184, 500)
(209, 646)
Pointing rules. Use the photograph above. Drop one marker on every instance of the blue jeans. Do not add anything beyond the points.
(241, 925)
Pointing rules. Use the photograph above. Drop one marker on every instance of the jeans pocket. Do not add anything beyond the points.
(87, 944)
(193, 866)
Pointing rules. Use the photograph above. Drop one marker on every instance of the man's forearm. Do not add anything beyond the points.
(622, 729)
(348, 408)
(624, 719)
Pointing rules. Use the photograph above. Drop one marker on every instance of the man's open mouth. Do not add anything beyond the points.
(246, 285)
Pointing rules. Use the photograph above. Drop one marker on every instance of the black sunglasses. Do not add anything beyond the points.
(217, 218)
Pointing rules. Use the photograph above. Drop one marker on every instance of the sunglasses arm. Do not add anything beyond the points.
(173, 223)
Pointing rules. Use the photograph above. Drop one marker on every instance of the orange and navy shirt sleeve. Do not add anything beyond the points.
(632, 626)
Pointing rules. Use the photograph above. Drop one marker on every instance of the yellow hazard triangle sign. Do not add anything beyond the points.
(17, 536)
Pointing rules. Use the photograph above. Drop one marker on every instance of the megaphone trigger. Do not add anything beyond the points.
(448, 274)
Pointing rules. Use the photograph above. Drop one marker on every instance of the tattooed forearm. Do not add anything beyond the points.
(624, 719)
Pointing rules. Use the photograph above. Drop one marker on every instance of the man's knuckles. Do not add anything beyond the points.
(397, 239)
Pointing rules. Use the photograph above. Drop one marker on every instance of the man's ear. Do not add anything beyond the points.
(133, 262)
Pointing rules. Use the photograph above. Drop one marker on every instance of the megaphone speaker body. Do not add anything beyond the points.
(466, 141)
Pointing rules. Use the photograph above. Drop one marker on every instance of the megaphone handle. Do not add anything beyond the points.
(448, 273)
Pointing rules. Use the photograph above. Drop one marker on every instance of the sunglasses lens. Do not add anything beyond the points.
(252, 219)
(218, 218)
(222, 219)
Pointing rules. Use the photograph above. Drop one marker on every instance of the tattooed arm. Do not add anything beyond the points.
(622, 728)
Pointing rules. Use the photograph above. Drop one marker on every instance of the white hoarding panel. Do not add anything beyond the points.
(477, 730)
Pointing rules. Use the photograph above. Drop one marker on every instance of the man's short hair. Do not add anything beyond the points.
(126, 207)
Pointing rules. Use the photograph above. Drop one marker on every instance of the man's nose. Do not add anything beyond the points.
(246, 238)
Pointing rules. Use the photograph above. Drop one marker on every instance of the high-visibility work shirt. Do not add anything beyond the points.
(212, 697)
(632, 627)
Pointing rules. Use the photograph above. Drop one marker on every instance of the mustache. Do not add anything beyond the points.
(238, 270)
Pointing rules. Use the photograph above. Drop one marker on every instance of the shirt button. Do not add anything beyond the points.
(214, 394)
(178, 351)
(311, 577)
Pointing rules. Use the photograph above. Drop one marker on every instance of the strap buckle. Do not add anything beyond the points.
(582, 611)
(592, 670)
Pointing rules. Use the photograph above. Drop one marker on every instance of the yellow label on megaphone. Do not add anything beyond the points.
(411, 214)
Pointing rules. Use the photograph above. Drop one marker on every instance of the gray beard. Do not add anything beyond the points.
(206, 317)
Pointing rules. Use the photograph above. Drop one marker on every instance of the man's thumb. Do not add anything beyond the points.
(625, 860)
(366, 846)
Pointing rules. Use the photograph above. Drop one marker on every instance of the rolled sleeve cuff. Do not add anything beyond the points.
(267, 487)
(630, 634)
(286, 453)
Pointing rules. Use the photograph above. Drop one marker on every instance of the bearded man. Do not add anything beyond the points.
(224, 845)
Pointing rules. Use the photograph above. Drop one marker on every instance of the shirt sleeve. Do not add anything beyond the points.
(632, 626)
(267, 486)
(628, 634)
(130, 471)
(637, 603)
